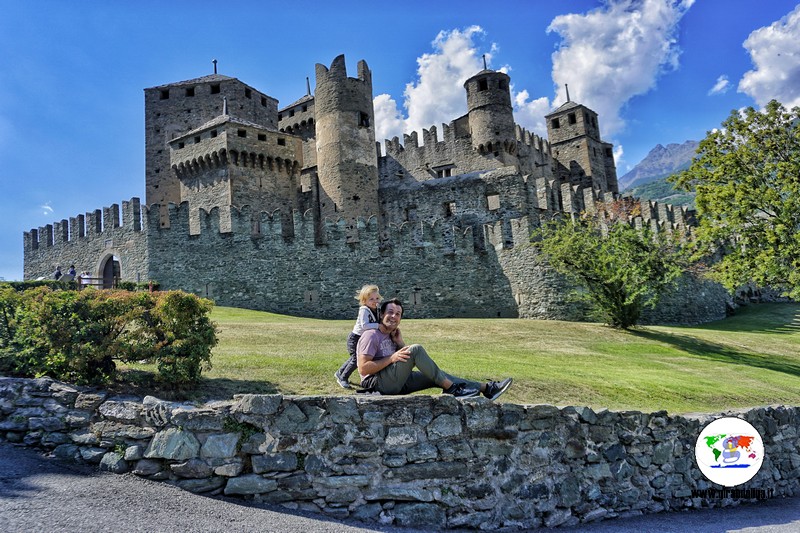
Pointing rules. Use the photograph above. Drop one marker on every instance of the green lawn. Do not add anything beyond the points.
(750, 359)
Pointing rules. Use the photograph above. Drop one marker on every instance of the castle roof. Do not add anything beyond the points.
(225, 119)
(195, 81)
(306, 98)
(566, 106)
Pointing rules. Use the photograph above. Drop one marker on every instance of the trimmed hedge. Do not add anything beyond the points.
(77, 336)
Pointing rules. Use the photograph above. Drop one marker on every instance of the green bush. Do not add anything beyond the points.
(78, 336)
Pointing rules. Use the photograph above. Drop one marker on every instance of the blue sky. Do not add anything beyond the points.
(72, 75)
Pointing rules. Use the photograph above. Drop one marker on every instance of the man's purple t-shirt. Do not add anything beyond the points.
(376, 343)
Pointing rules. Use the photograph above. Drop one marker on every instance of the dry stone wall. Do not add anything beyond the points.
(416, 461)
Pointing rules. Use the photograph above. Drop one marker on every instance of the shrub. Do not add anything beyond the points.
(78, 336)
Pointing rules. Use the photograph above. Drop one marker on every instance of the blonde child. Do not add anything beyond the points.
(369, 297)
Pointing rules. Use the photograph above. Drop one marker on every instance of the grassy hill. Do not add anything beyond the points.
(750, 359)
(662, 191)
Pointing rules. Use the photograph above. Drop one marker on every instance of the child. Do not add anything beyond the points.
(369, 297)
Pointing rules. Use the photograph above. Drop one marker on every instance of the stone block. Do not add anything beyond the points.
(147, 467)
(113, 462)
(193, 468)
(172, 443)
(445, 426)
(419, 515)
(200, 486)
(249, 484)
(121, 411)
(276, 462)
(220, 446)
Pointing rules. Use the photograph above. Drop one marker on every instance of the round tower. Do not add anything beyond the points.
(347, 159)
(491, 119)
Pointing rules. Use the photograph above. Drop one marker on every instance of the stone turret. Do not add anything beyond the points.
(491, 119)
(574, 134)
(347, 159)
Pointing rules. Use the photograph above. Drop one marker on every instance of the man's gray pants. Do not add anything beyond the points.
(400, 377)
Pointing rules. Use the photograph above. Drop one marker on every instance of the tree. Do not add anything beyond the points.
(747, 179)
(619, 270)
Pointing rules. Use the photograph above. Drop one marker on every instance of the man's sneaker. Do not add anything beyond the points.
(343, 383)
(462, 390)
(495, 388)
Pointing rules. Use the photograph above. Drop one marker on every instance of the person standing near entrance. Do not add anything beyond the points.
(57, 274)
(386, 363)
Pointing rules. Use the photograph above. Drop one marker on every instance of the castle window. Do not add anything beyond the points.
(444, 171)
(197, 139)
(449, 209)
(483, 85)
(262, 136)
(503, 85)
(263, 101)
(281, 141)
(555, 123)
(609, 152)
(291, 113)
(248, 93)
(280, 116)
(411, 213)
(241, 133)
(180, 145)
(363, 120)
(215, 88)
(572, 119)
(493, 202)
(164, 94)
(305, 108)
(190, 91)
(213, 133)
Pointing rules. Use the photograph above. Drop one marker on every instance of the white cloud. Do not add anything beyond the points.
(619, 159)
(721, 86)
(46, 209)
(775, 53)
(530, 113)
(437, 95)
(613, 53)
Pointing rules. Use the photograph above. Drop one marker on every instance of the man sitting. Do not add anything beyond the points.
(386, 364)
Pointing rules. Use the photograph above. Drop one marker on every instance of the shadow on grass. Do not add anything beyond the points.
(144, 383)
(721, 353)
(769, 318)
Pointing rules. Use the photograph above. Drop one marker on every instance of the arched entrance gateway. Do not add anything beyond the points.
(110, 272)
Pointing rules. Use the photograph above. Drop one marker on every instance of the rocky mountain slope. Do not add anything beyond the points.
(659, 163)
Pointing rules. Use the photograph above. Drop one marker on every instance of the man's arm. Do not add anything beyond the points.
(368, 366)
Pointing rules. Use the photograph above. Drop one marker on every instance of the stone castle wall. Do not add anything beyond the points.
(414, 461)
(289, 265)
(88, 241)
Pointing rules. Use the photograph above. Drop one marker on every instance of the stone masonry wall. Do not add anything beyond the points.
(437, 270)
(88, 242)
(414, 461)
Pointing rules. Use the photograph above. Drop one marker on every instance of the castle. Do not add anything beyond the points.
(292, 209)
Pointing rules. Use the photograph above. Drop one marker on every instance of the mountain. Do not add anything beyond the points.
(659, 163)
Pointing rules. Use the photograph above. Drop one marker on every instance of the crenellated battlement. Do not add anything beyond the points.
(97, 223)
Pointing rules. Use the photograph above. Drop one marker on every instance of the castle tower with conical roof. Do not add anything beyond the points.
(491, 119)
